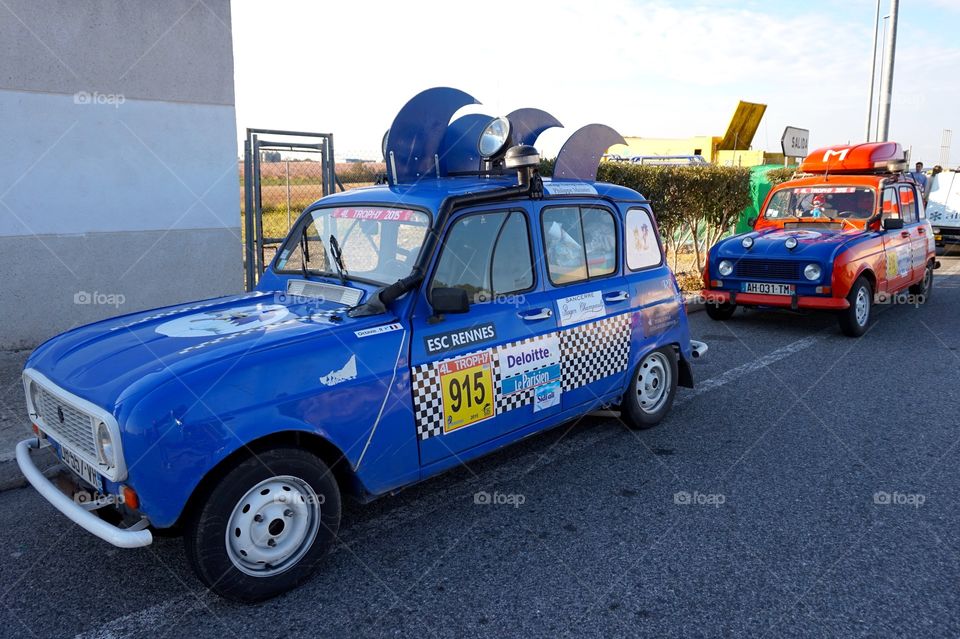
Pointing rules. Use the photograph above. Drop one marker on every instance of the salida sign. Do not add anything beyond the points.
(794, 142)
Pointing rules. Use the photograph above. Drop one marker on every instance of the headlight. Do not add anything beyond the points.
(494, 137)
(34, 397)
(725, 267)
(936, 231)
(747, 242)
(105, 448)
(791, 243)
(812, 272)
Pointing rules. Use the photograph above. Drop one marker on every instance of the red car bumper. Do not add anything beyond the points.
(780, 301)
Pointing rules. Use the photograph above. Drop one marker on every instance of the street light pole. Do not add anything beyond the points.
(873, 70)
(886, 78)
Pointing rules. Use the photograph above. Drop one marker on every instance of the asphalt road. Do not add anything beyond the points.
(753, 510)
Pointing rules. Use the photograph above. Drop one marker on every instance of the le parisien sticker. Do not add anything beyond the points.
(467, 386)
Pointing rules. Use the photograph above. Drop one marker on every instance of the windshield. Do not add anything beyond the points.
(373, 244)
(822, 202)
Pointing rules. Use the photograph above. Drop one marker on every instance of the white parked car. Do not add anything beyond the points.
(943, 207)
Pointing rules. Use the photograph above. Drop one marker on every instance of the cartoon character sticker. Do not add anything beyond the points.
(642, 247)
(224, 322)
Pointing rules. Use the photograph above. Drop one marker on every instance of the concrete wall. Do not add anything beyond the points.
(118, 161)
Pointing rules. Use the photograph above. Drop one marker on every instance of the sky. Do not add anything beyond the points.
(646, 68)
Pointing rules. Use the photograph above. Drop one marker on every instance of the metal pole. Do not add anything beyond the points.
(883, 54)
(288, 195)
(873, 69)
(248, 229)
(886, 79)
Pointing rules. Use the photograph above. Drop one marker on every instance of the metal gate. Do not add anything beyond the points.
(283, 172)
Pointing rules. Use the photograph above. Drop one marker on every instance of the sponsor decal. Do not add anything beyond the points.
(659, 319)
(547, 396)
(800, 235)
(224, 322)
(580, 308)
(378, 330)
(348, 372)
(443, 342)
(825, 189)
(522, 357)
(569, 188)
(466, 384)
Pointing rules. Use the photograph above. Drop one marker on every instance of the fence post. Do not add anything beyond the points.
(248, 257)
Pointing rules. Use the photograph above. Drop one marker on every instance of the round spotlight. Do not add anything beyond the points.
(494, 138)
(383, 143)
(725, 267)
(791, 243)
(747, 242)
(812, 272)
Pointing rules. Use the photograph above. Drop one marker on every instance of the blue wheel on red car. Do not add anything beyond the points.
(264, 526)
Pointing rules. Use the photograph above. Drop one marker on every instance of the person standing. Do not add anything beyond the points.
(919, 176)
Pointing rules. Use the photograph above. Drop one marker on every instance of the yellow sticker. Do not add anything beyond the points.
(467, 386)
(892, 270)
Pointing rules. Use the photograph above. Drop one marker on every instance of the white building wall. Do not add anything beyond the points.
(118, 165)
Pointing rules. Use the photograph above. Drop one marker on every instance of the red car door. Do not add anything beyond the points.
(896, 246)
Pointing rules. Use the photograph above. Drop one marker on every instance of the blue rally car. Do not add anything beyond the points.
(400, 330)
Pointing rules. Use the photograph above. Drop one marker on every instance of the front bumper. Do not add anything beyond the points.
(122, 538)
(778, 301)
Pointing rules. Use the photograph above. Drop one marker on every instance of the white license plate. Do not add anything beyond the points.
(768, 288)
(85, 471)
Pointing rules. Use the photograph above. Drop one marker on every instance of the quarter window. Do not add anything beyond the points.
(908, 204)
(642, 248)
(487, 255)
(581, 243)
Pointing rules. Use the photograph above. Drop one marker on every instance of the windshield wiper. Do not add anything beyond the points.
(338, 258)
(304, 254)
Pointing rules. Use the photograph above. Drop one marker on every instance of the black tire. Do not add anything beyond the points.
(925, 287)
(642, 411)
(312, 533)
(720, 312)
(852, 323)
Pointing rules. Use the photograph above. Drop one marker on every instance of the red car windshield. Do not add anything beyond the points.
(822, 202)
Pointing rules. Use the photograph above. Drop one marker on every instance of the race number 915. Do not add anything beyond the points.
(467, 387)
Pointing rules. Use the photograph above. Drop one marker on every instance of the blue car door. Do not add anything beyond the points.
(480, 375)
(581, 246)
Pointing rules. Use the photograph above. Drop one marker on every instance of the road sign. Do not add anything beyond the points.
(794, 142)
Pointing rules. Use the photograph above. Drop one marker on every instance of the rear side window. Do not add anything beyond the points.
(908, 204)
(891, 207)
(580, 242)
(487, 255)
(642, 248)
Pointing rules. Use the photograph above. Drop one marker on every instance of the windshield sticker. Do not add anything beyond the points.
(580, 308)
(467, 387)
(443, 342)
(348, 372)
(224, 322)
(389, 215)
(825, 189)
(378, 330)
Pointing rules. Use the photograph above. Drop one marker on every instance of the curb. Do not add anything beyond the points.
(11, 478)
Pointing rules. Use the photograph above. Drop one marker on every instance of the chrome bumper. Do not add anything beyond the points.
(75, 512)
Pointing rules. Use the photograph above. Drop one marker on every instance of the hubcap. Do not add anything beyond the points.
(273, 526)
(862, 306)
(653, 382)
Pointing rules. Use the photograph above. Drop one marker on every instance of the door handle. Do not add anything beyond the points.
(921, 230)
(616, 296)
(537, 314)
(904, 233)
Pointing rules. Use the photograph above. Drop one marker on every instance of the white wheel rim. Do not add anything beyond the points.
(653, 382)
(862, 306)
(273, 526)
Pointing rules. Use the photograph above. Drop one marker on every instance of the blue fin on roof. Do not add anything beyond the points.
(418, 130)
(459, 152)
(527, 124)
(580, 155)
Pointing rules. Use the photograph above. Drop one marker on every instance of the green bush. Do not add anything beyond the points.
(778, 176)
(700, 203)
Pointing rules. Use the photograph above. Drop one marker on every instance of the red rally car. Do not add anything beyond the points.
(848, 230)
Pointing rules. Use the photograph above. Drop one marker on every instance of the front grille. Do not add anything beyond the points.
(767, 269)
(77, 428)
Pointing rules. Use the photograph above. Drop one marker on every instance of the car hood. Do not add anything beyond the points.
(812, 243)
(100, 361)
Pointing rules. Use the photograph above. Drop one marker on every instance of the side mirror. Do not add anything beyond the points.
(892, 223)
(449, 300)
(752, 221)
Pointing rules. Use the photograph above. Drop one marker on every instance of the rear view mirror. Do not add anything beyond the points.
(892, 223)
(449, 300)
